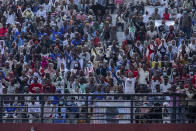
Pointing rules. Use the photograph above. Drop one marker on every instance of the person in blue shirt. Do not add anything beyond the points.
(10, 111)
(35, 8)
(20, 41)
(41, 34)
(56, 33)
(64, 28)
(18, 32)
(22, 109)
(73, 111)
(2, 74)
(60, 113)
(99, 91)
(77, 41)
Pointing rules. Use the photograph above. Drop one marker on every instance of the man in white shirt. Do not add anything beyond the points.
(143, 75)
(11, 18)
(47, 115)
(146, 17)
(166, 85)
(41, 12)
(34, 109)
(151, 33)
(129, 84)
(47, 6)
(192, 46)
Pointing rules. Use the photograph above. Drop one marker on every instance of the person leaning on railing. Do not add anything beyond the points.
(191, 97)
(181, 110)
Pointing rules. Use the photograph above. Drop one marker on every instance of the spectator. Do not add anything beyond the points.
(190, 95)
(35, 87)
(3, 30)
(60, 117)
(155, 15)
(34, 111)
(61, 47)
(166, 15)
(73, 111)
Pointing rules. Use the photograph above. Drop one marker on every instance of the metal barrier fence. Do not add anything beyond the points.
(96, 108)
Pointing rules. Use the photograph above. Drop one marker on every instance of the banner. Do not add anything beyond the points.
(107, 105)
(168, 23)
(151, 9)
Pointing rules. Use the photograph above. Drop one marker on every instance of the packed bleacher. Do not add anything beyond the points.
(96, 47)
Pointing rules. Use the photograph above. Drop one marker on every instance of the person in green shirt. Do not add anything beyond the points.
(82, 85)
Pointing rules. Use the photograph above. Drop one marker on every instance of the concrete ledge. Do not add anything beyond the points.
(102, 127)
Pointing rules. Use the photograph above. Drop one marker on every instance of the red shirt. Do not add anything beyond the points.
(3, 31)
(193, 78)
(96, 41)
(166, 16)
(33, 88)
(193, 81)
(135, 73)
(51, 88)
(125, 46)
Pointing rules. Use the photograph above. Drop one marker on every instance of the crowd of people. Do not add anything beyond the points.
(73, 46)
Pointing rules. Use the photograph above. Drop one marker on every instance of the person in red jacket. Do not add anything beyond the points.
(49, 87)
(35, 87)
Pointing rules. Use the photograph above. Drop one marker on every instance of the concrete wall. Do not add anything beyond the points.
(91, 127)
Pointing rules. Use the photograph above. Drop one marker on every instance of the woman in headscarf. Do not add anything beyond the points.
(88, 69)
(44, 62)
(163, 48)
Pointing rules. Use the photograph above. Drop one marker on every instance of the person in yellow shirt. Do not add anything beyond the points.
(156, 60)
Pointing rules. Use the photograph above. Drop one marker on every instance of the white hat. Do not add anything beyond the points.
(64, 17)
(166, 104)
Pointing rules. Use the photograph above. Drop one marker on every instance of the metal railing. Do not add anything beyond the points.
(96, 108)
